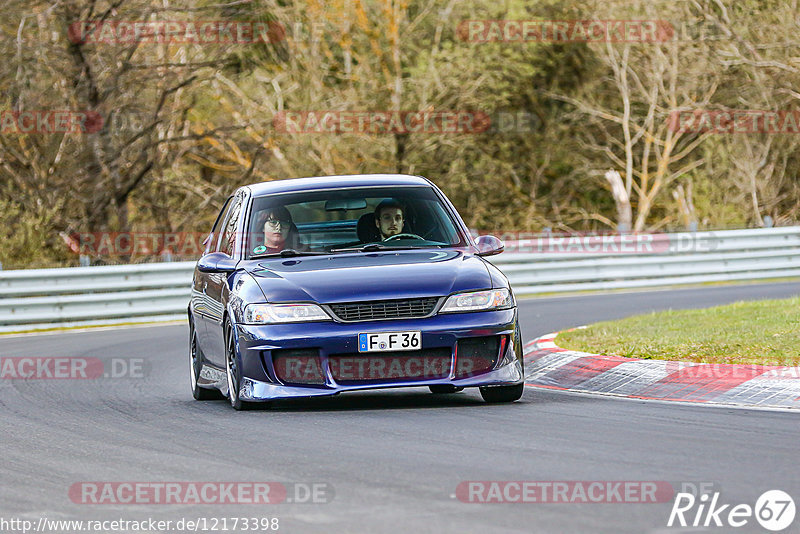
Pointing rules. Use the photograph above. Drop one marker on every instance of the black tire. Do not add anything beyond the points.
(442, 389)
(498, 394)
(234, 372)
(195, 364)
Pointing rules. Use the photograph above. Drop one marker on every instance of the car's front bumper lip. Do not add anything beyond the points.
(261, 383)
(254, 390)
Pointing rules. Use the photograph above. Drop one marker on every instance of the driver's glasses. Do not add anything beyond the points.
(277, 224)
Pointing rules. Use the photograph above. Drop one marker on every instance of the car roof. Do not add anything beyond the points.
(335, 182)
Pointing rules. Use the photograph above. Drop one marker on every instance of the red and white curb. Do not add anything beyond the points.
(549, 366)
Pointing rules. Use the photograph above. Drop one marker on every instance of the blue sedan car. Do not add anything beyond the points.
(315, 286)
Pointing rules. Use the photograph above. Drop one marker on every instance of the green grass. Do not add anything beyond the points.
(763, 332)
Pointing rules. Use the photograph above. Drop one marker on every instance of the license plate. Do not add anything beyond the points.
(389, 341)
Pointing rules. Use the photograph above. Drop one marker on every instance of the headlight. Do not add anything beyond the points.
(494, 299)
(283, 313)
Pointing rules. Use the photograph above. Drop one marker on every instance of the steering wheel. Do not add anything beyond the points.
(428, 233)
(404, 236)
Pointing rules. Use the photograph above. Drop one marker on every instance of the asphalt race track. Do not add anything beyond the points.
(392, 459)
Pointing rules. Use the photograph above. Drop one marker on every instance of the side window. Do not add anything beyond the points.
(228, 240)
(212, 239)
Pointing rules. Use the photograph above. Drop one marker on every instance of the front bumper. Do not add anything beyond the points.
(261, 380)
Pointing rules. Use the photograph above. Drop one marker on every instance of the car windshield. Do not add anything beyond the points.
(366, 219)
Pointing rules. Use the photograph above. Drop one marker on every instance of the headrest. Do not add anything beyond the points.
(366, 229)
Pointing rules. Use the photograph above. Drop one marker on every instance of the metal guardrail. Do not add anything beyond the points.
(671, 259)
(49, 298)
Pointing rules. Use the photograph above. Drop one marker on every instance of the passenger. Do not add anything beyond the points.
(279, 230)
(389, 218)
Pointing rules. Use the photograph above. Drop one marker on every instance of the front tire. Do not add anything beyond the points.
(501, 394)
(195, 366)
(234, 371)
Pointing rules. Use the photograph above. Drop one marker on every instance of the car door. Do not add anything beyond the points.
(216, 283)
(199, 303)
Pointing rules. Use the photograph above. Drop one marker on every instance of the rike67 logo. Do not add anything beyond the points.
(774, 510)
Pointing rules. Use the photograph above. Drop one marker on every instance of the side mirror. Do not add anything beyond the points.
(489, 245)
(216, 262)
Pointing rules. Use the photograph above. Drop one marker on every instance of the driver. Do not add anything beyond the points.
(279, 230)
(389, 218)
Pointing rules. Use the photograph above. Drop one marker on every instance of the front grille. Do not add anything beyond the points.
(362, 367)
(385, 309)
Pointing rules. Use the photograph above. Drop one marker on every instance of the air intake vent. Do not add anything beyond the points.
(476, 355)
(298, 366)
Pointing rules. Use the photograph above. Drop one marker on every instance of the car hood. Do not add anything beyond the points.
(353, 277)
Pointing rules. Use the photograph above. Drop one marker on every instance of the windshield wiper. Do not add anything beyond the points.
(287, 253)
(373, 247)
